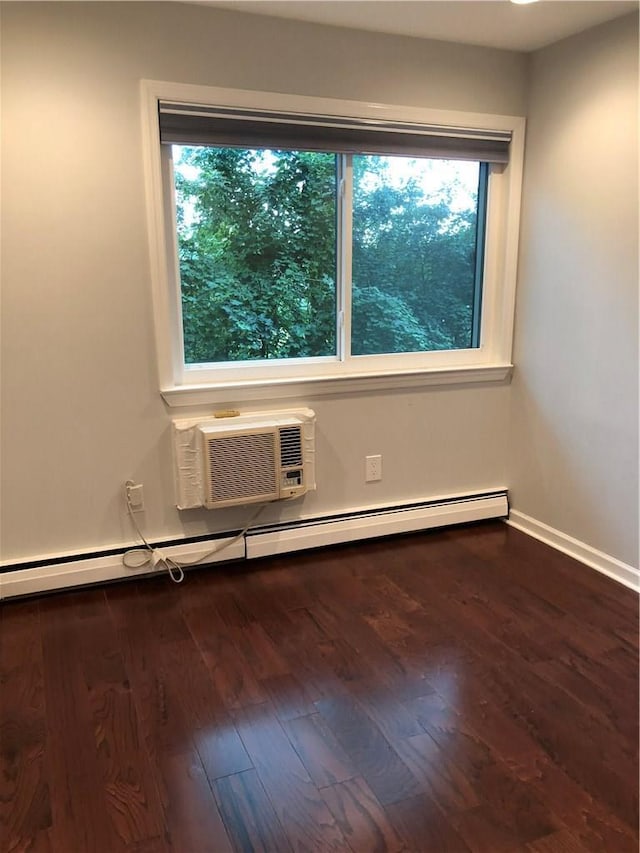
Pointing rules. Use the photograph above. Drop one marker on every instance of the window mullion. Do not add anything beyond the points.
(345, 211)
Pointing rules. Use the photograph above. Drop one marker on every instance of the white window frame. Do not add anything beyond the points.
(182, 385)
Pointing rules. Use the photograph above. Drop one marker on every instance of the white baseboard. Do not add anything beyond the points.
(375, 524)
(78, 572)
(598, 560)
(69, 570)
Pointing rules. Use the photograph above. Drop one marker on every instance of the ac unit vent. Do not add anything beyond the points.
(250, 458)
(290, 446)
(241, 467)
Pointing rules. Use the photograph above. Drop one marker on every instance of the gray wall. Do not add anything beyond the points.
(81, 410)
(574, 406)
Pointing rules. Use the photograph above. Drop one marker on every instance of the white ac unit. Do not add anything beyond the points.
(221, 462)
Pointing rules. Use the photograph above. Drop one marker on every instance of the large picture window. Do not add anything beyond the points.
(311, 246)
(259, 265)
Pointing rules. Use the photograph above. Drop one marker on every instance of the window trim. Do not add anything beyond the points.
(182, 385)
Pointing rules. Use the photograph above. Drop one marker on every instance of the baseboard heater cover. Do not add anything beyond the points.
(309, 534)
(102, 569)
(84, 570)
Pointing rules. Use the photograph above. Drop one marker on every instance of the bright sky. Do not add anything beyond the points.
(438, 178)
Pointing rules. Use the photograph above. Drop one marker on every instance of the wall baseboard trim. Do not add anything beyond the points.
(382, 522)
(78, 572)
(598, 560)
(60, 573)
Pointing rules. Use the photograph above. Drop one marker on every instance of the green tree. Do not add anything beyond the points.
(384, 323)
(415, 249)
(257, 252)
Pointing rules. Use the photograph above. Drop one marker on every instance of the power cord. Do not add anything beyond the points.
(137, 558)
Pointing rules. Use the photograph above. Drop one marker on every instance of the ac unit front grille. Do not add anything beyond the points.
(241, 466)
(291, 447)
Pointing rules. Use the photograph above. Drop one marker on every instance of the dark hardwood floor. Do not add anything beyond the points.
(461, 690)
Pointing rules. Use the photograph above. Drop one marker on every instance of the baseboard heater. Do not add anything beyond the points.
(370, 524)
(60, 572)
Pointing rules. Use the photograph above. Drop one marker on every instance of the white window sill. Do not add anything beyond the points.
(277, 389)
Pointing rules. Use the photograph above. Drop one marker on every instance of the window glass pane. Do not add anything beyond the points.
(415, 226)
(257, 253)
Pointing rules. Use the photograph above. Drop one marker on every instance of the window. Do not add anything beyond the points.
(307, 241)
(257, 253)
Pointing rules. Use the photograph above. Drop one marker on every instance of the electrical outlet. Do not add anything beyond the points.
(373, 469)
(135, 496)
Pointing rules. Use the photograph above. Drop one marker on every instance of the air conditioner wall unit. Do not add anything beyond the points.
(222, 462)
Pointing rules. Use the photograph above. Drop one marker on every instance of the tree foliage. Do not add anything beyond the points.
(257, 251)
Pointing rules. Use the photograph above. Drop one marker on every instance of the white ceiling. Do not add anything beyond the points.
(492, 23)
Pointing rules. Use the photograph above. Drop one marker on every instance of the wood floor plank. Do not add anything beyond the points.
(303, 814)
(472, 699)
(284, 584)
(489, 576)
(521, 809)
(81, 819)
(605, 705)
(361, 818)
(377, 762)
(571, 587)
(159, 691)
(521, 635)
(325, 760)
(454, 736)
(288, 697)
(563, 630)
(424, 827)
(558, 842)
(131, 792)
(163, 610)
(259, 651)
(156, 689)
(400, 636)
(190, 812)
(25, 809)
(484, 830)
(438, 774)
(132, 797)
(336, 619)
(151, 845)
(569, 734)
(554, 720)
(586, 817)
(386, 710)
(250, 819)
(306, 647)
(221, 751)
(231, 672)
(387, 590)
(193, 819)
(213, 732)
(620, 661)
(258, 600)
